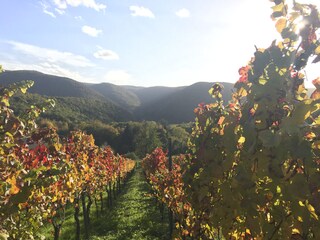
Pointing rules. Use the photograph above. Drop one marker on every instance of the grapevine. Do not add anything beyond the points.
(253, 168)
(42, 174)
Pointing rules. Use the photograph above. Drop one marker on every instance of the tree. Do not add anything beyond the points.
(146, 139)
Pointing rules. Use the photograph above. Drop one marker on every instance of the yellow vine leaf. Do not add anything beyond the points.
(278, 189)
(294, 16)
(278, 8)
(241, 139)
(69, 184)
(307, 115)
(312, 211)
(14, 188)
(87, 177)
(262, 81)
(23, 89)
(281, 24)
(242, 92)
(282, 71)
(3, 235)
(221, 119)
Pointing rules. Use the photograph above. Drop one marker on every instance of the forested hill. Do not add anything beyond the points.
(75, 101)
(178, 106)
(108, 102)
(50, 85)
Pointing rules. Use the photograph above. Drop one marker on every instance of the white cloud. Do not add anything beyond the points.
(183, 13)
(47, 68)
(49, 13)
(91, 31)
(45, 10)
(60, 4)
(79, 18)
(51, 55)
(105, 54)
(63, 4)
(60, 11)
(119, 77)
(141, 12)
(63, 72)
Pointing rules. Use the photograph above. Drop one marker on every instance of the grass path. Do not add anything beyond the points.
(134, 215)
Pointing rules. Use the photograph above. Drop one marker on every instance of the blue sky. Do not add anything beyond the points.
(135, 42)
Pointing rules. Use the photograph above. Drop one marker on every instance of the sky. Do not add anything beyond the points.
(136, 42)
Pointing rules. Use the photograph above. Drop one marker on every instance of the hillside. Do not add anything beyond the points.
(152, 94)
(50, 85)
(73, 110)
(75, 101)
(178, 107)
(118, 95)
(108, 102)
(132, 97)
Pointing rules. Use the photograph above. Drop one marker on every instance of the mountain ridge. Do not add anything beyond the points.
(171, 104)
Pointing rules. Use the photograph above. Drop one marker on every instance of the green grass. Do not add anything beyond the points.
(134, 215)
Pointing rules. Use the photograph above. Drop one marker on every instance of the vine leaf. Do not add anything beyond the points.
(281, 24)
